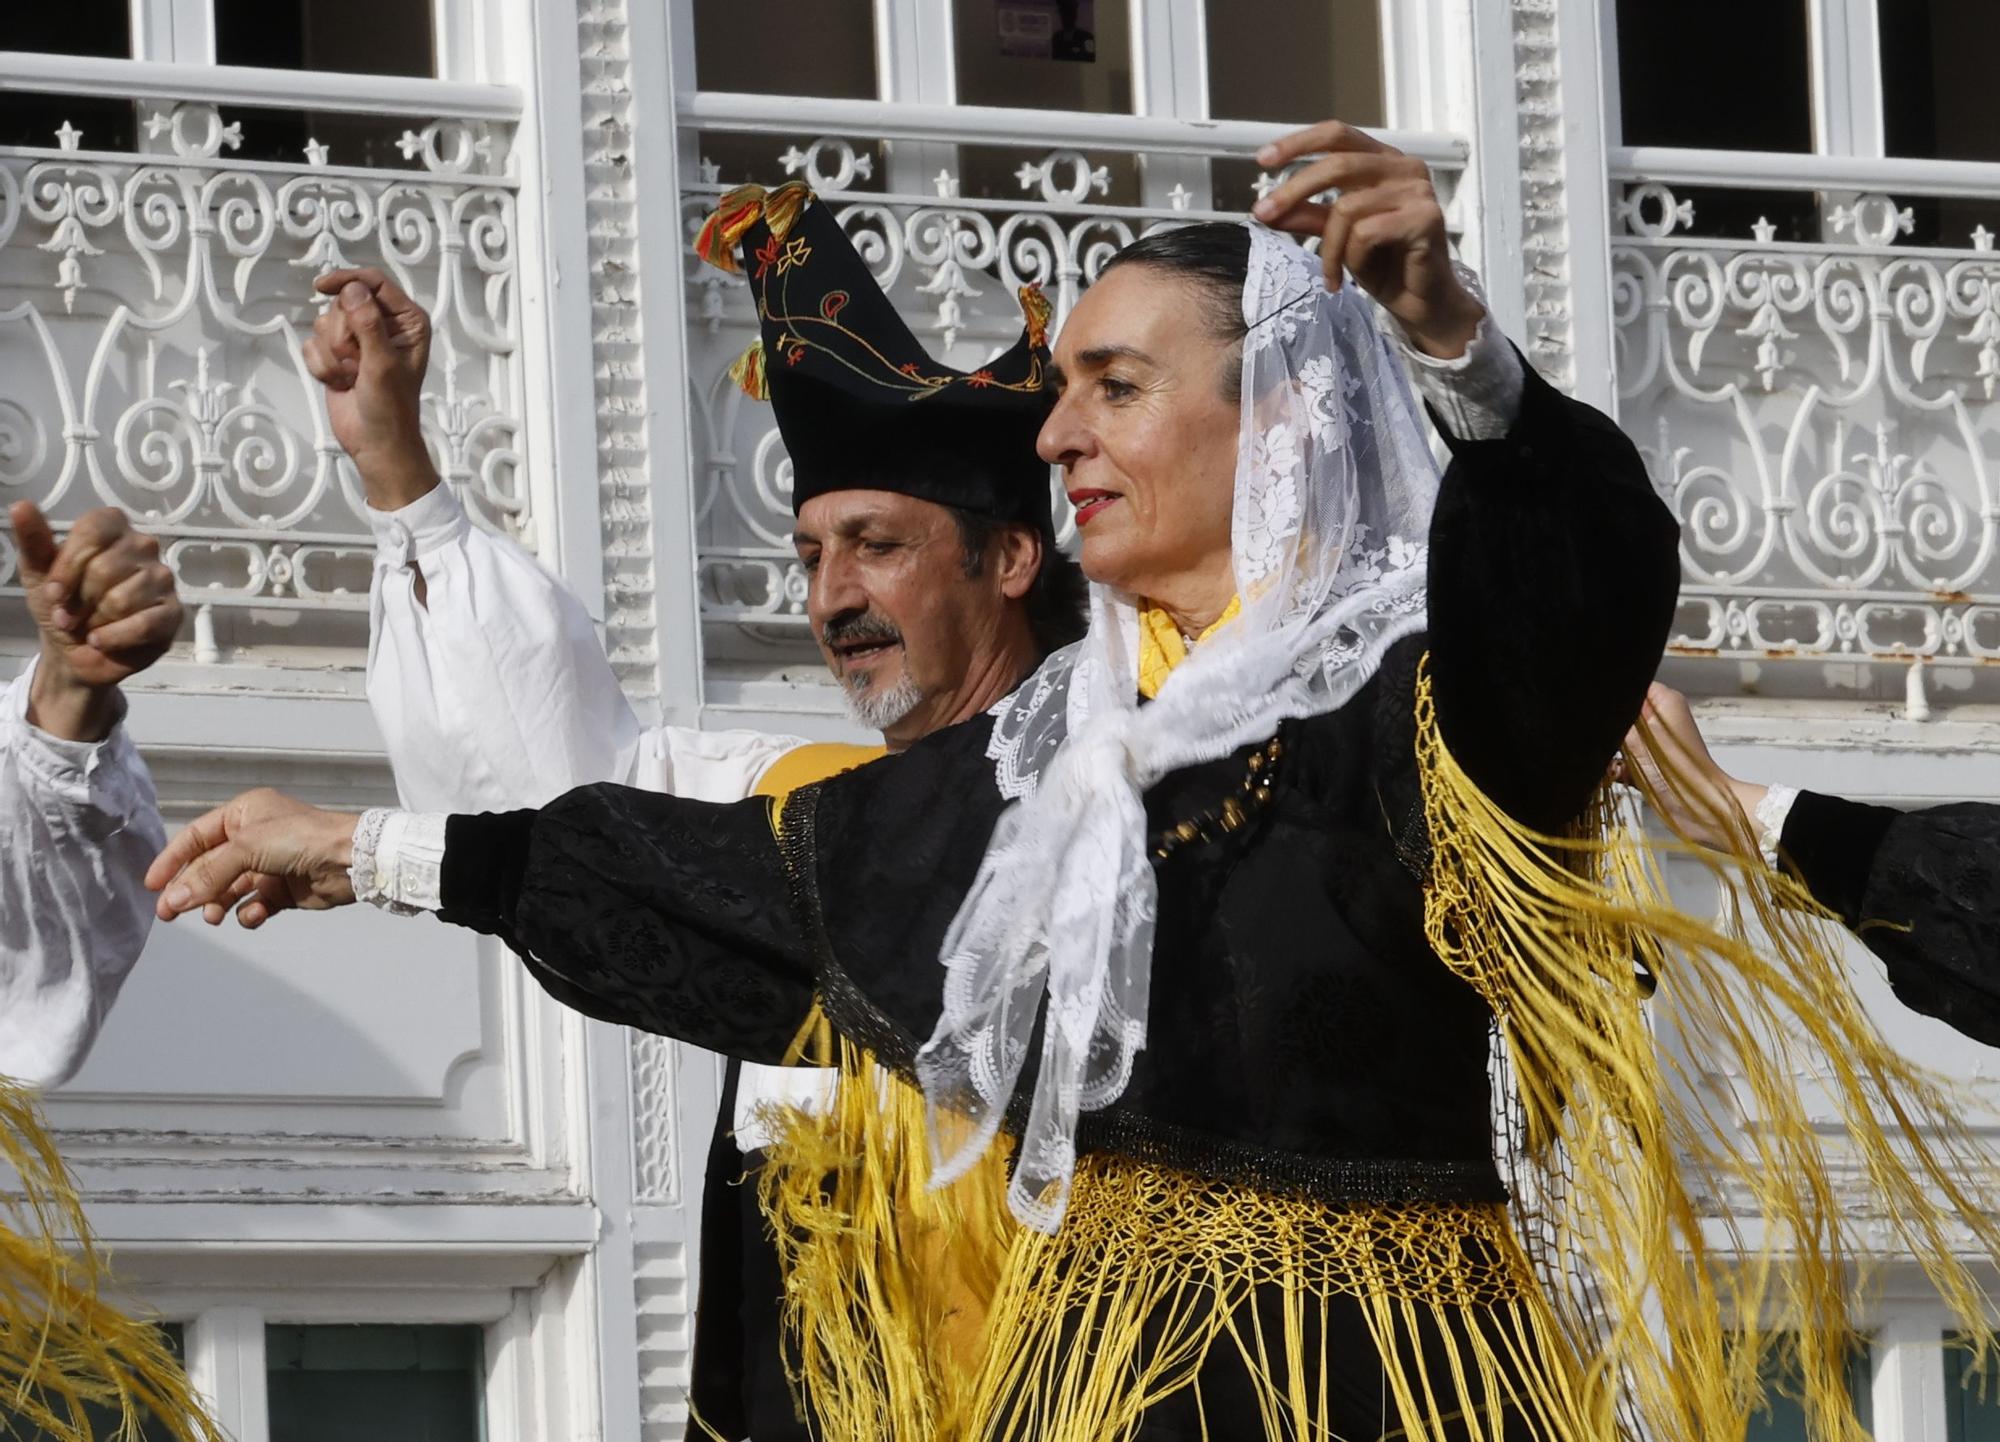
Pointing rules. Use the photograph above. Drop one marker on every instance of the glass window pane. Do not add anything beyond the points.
(1937, 78)
(85, 27)
(1330, 63)
(786, 47)
(364, 37)
(1971, 1398)
(375, 1384)
(1044, 54)
(1716, 74)
(103, 1420)
(1784, 1419)
(88, 27)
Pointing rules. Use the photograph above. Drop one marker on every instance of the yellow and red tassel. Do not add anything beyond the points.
(747, 370)
(720, 234)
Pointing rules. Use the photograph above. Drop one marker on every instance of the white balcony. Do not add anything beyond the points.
(1816, 383)
(153, 298)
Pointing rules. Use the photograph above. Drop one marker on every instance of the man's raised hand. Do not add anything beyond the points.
(370, 349)
(1386, 229)
(106, 608)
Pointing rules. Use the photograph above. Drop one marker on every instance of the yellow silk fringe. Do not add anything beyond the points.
(885, 1279)
(930, 1317)
(62, 1345)
(1153, 1269)
(1702, 1210)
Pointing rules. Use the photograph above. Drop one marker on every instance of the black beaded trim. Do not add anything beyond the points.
(853, 1015)
(1334, 1181)
(1232, 813)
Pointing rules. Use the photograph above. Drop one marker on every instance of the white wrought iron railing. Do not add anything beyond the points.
(153, 299)
(1078, 188)
(1818, 394)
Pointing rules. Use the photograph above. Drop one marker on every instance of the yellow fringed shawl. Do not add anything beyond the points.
(62, 1344)
(1685, 1244)
(1658, 1255)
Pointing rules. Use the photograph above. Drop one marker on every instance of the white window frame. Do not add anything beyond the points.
(182, 32)
(532, 1306)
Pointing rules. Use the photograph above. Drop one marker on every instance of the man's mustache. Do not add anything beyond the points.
(862, 630)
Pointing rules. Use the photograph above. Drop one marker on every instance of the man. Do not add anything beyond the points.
(78, 818)
(935, 587)
(1921, 888)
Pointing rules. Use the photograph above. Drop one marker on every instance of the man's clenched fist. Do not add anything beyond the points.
(106, 608)
(370, 349)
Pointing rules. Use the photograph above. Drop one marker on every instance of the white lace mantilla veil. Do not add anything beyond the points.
(1334, 491)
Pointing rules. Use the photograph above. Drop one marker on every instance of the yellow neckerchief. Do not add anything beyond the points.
(1162, 647)
(816, 761)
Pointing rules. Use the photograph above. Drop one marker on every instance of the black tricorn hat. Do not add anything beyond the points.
(861, 404)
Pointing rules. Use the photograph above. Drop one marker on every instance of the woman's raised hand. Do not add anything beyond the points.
(264, 850)
(1386, 229)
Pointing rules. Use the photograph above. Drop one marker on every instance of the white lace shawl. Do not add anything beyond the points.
(1333, 495)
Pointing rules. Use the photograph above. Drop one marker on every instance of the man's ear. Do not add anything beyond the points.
(1018, 560)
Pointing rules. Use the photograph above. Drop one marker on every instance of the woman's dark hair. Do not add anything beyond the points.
(1056, 614)
(1214, 258)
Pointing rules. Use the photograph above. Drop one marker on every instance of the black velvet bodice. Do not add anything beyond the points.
(1302, 1035)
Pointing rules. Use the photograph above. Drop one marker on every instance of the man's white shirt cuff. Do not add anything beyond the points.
(398, 860)
(429, 523)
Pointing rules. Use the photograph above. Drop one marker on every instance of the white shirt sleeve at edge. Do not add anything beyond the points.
(494, 692)
(79, 824)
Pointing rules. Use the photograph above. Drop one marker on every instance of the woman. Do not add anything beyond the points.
(1214, 917)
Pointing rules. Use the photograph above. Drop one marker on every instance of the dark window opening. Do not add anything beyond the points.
(823, 48)
(1716, 74)
(1330, 63)
(993, 40)
(95, 28)
(412, 1384)
(361, 37)
(1937, 80)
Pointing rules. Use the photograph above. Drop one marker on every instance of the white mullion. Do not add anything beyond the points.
(663, 255)
(1846, 78)
(1906, 1356)
(1484, 107)
(1418, 54)
(557, 374)
(1614, 94)
(465, 47)
(1170, 79)
(193, 30)
(915, 64)
(1864, 62)
(152, 30)
(225, 1361)
(173, 31)
(1586, 166)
